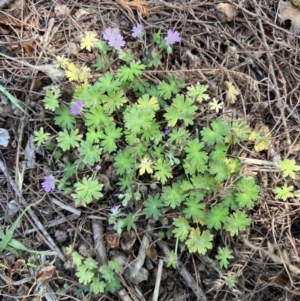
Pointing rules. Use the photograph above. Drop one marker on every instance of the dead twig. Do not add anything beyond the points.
(99, 242)
(158, 279)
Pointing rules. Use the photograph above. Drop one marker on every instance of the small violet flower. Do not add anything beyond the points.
(76, 108)
(137, 31)
(172, 37)
(49, 183)
(166, 133)
(113, 37)
(115, 209)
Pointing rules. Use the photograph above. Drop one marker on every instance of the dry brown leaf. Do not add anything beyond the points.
(46, 273)
(231, 93)
(152, 253)
(112, 240)
(61, 10)
(19, 264)
(81, 13)
(140, 5)
(225, 12)
(29, 48)
(288, 12)
(128, 240)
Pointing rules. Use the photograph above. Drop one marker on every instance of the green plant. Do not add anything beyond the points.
(287, 168)
(149, 133)
(40, 137)
(96, 279)
(224, 254)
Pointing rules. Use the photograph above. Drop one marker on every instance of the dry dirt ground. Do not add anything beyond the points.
(252, 44)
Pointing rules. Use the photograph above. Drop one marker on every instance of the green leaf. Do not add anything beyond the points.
(107, 273)
(150, 105)
(182, 228)
(97, 118)
(199, 242)
(215, 135)
(89, 152)
(179, 136)
(283, 192)
(129, 221)
(90, 263)
(108, 84)
(40, 137)
(218, 214)
(11, 98)
(288, 168)
(113, 285)
(224, 254)
(114, 101)
(64, 118)
(171, 260)
(126, 181)
(163, 170)
(172, 195)
(97, 286)
(140, 86)
(101, 63)
(136, 119)
(239, 131)
(6, 238)
(152, 133)
(51, 100)
(77, 258)
(102, 46)
(219, 152)
(124, 163)
(108, 139)
(129, 73)
(114, 265)
(247, 192)
(86, 191)
(181, 109)
(198, 92)
(219, 169)
(84, 276)
(151, 206)
(194, 209)
(166, 90)
(238, 221)
(93, 135)
(195, 159)
(66, 140)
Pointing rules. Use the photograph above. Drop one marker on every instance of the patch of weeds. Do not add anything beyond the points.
(149, 133)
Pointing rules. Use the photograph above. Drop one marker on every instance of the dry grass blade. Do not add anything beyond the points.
(11, 98)
(140, 5)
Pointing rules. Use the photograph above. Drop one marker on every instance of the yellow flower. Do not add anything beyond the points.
(88, 40)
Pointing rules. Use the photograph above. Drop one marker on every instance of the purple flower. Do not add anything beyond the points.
(110, 33)
(113, 37)
(117, 43)
(115, 209)
(172, 37)
(76, 108)
(137, 31)
(166, 133)
(49, 183)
